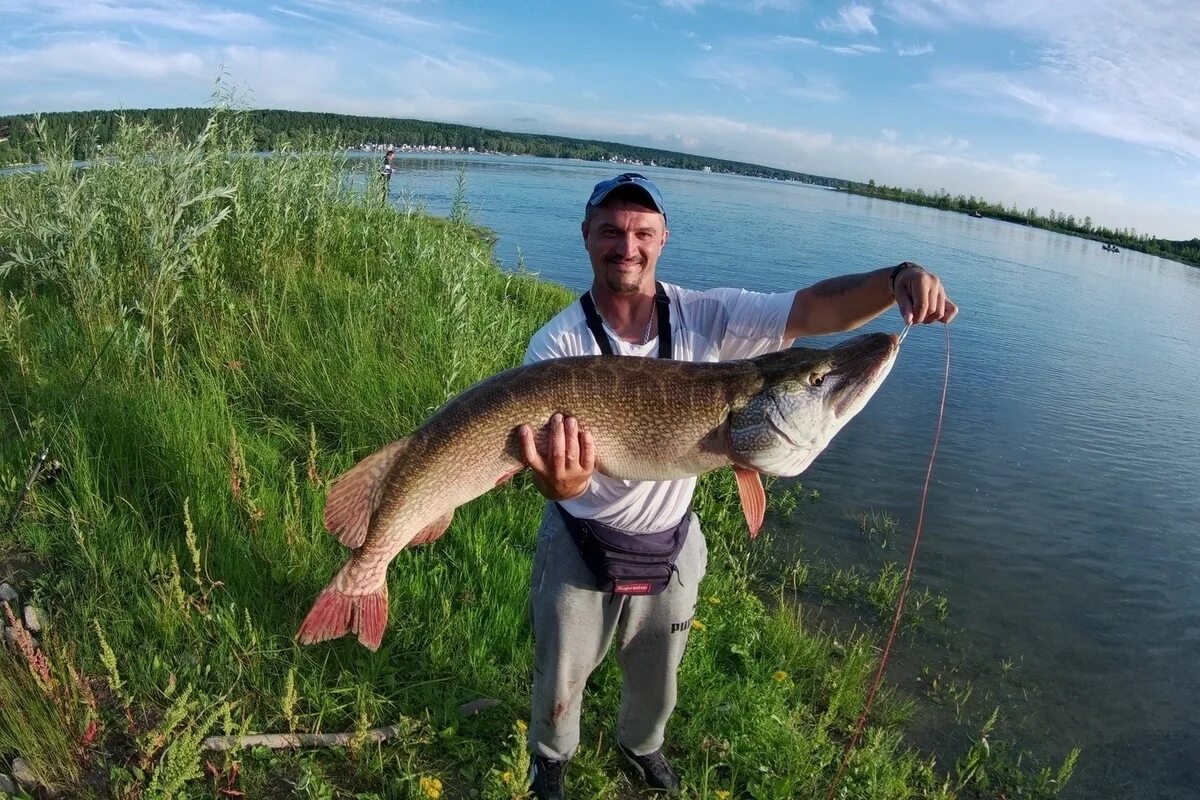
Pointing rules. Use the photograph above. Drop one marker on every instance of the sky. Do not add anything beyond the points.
(1086, 107)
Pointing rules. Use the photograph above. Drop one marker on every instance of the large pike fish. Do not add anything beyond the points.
(650, 420)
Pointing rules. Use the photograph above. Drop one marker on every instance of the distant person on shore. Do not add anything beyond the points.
(628, 313)
(385, 173)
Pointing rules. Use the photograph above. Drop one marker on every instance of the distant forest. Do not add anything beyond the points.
(1187, 251)
(271, 129)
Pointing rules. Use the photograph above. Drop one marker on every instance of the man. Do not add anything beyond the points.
(624, 231)
(385, 172)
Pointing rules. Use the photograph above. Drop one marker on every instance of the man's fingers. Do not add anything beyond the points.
(904, 301)
(571, 431)
(558, 444)
(928, 302)
(919, 304)
(587, 451)
(529, 453)
(951, 311)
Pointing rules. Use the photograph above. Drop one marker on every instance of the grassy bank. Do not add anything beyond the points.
(269, 325)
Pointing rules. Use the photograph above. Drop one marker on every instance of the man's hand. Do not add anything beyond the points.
(563, 466)
(921, 297)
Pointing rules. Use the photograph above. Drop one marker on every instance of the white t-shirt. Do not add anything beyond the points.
(713, 325)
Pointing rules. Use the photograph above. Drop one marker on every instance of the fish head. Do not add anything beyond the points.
(807, 396)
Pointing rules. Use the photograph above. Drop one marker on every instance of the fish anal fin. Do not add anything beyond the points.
(355, 495)
(335, 614)
(433, 530)
(753, 497)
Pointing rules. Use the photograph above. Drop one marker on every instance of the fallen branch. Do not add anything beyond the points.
(281, 741)
(284, 741)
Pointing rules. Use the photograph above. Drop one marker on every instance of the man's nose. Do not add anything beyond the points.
(626, 244)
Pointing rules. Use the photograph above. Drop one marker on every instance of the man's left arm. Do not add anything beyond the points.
(846, 302)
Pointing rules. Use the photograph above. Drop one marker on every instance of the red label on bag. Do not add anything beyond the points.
(632, 588)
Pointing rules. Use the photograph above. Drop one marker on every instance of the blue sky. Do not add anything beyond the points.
(1090, 107)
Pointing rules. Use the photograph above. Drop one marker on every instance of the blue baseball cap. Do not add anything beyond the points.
(629, 179)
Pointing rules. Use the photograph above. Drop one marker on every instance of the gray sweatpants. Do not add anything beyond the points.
(573, 626)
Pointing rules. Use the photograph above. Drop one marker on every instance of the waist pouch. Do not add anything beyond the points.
(628, 563)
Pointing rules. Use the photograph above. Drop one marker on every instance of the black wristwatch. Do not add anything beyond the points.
(896, 270)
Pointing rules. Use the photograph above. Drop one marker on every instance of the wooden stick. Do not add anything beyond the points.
(280, 741)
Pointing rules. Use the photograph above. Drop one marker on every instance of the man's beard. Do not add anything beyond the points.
(624, 283)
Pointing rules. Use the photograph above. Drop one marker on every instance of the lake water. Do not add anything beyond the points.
(1063, 523)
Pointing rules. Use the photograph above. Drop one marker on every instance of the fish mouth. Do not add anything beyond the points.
(862, 364)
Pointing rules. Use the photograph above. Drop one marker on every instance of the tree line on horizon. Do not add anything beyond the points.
(271, 129)
(1187, 251)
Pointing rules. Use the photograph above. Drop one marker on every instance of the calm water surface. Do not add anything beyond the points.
(1064, 520)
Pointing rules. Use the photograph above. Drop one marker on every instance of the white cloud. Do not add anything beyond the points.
(853, 49)
(914, 50)
(107, 59)
(1119, 70)
(164, 14)
(1027, 160)
(853, 19)
(802, 41)
(755, 80)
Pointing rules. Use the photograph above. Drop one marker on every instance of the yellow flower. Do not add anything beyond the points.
(713, 600)
(522, 726)
(697, 625)
(721, 794)
(507, 778)
(780, 676)
(432, 787)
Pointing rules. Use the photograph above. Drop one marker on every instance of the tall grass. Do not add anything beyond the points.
(272, 323)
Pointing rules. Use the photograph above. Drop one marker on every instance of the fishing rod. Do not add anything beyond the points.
(40, 461)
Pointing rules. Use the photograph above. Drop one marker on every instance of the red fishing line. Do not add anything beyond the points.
(908, 573)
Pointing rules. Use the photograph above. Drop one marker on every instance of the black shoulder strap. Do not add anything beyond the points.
(593, 322)
(596, 325)
(664, 321)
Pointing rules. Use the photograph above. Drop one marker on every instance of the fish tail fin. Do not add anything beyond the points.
(355, 495)
(336, 613)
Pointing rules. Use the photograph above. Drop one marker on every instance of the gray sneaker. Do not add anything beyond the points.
(546, 778)
(654, 768)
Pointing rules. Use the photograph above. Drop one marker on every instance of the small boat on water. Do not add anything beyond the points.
(976, 215)
(1112, 248)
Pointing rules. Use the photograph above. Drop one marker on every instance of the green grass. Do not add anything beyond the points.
(273, 325)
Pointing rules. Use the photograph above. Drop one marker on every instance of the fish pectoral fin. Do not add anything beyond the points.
(753, 497)
(355, 495)
(433, 530)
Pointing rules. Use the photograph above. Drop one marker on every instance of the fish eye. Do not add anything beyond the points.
(816, 379)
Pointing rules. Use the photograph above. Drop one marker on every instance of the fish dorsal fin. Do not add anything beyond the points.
(355, 495)
(753, 496)
(433, 530)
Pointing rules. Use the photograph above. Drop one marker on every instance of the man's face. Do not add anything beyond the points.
(624, 240)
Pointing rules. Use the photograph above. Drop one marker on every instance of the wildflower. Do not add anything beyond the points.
(780, 676)
(721, 794)
(432, 787)
(522, 726)
(697, 625)
(713, 600)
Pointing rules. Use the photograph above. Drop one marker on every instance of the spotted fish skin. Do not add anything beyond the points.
(650, 419)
